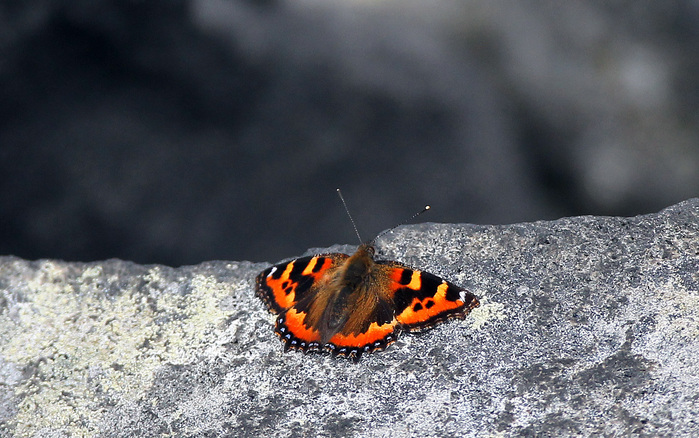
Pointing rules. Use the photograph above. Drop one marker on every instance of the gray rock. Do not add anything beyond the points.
(588, 326)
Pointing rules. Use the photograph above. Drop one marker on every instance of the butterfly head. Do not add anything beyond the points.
(367, 248)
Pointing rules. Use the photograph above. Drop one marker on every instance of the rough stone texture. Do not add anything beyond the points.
(588, 326)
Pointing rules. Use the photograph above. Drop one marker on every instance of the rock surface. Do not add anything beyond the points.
(588, 326)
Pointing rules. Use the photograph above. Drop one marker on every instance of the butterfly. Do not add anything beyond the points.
(349, 305)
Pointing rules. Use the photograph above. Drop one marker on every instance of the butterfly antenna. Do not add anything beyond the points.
(339, 193)
(427, 207)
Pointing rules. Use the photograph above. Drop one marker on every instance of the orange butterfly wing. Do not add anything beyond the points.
(422, 299)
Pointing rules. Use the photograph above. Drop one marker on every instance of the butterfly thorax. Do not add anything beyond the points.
(344, 310)
(358, 268)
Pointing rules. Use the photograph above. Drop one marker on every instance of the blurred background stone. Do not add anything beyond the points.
(180, 131)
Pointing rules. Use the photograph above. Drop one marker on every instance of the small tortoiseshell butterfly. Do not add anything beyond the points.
(351, 305)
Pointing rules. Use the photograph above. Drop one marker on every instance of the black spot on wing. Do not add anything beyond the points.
(302, 282)
(318, 265)
(299, 266)
(405, 277)
(428, 288)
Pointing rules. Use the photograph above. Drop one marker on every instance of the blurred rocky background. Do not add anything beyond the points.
(173, 132)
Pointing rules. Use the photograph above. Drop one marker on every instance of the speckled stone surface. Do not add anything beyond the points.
(588, 326)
